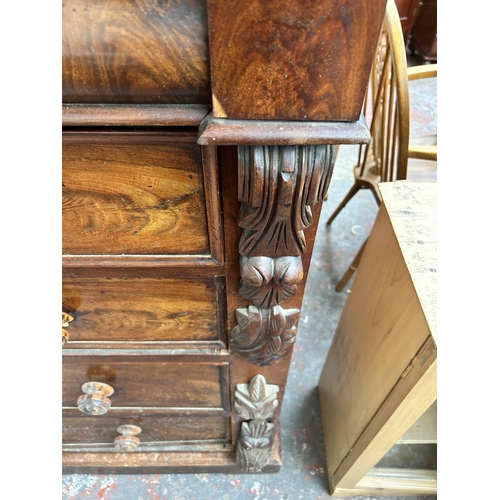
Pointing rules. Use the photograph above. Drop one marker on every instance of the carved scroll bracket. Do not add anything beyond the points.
(256, 402)
(277, 186)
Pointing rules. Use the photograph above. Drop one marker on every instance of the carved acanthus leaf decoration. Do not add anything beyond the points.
(264, 335)
(255, 401)
(267, 281)
(267, 296)
(254, 446)
(277, 186)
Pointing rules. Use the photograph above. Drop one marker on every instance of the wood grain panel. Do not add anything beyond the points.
(133, 193)
(136, 384)
(135, 51)
(89, 429)
(377, 355)
(142, 309)
(292, 59)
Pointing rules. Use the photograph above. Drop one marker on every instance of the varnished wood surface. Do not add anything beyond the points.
(136, 384)
(227, 132)
(129, 51)
(102, 429)
(169, 309)
(133, 193)
(134, 115)
(292, 59)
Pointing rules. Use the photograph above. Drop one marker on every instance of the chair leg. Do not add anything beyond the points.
(354, 189)
(351, 269)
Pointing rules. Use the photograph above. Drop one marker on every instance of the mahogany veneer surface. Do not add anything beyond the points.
(135, 51)
(147, 309)
(292, 59)
(133, 193)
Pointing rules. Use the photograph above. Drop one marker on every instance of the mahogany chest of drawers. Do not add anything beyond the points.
(199, 140)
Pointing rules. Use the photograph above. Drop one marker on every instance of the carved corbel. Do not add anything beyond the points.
(256, 402)
(277, 186)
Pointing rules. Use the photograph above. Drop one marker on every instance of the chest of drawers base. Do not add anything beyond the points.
(194, 172)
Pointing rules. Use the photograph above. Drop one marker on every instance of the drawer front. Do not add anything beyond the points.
(154, 429)
(128, 193)
(149, 310)
(147, 382)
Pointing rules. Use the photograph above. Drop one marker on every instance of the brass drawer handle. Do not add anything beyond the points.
(128, 441)
(68, 315)
(95, 401)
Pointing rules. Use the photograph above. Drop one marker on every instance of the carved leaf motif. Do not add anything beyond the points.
(249, 325)
(278, 185)
(242, 410)
(278, 322)
(257, 388)
(255, 401)
(256, 271)
(268, 336)
(246, 403)
(288, 270)
(266, 408)
(267, 296)
(274, 345)
(254, 445)
(292, 317)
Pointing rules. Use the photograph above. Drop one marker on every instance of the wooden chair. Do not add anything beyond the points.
(387, 108)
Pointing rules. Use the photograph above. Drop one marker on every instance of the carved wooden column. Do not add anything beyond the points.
(288, 82)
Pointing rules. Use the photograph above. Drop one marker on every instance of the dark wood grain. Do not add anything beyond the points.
(143, 309)
(292, 59)
(102, 429)
(227, 132)
(135, 51)
(213, 201)
(134, 115)
(133, 193)
(136, 384)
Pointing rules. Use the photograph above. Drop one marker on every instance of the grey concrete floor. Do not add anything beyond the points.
(303, 475)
